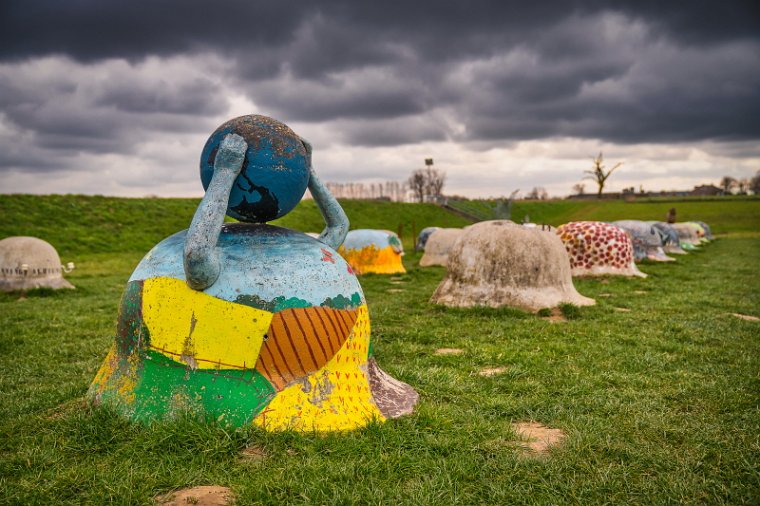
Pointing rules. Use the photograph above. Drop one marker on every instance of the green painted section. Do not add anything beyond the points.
(342, 302)
(166, 388)
(280, 303)
(274, 305)
(131, 332)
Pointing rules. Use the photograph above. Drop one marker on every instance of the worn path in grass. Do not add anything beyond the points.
(659, 404)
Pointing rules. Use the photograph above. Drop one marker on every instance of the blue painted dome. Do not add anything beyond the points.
(264, 266)
(275, 170)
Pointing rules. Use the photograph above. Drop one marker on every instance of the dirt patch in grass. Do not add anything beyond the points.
(491, 371)
(537, 439)
(205, 495)
(604, 295)
(555, 315)
(394, 290)
(252, 454)
(747, 317)
(449, 351)
(622, 310)
(639, 292)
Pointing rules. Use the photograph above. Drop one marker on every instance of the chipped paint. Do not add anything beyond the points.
(336, 397)
(247, 321)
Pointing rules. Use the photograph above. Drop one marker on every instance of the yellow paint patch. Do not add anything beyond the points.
(373, 260)
(201, 330)
(336, 397)
(125, 382)
(106, 370)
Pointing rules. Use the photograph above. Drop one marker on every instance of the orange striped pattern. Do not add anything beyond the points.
(302, 340)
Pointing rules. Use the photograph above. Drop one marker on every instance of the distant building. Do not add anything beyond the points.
(706, 189)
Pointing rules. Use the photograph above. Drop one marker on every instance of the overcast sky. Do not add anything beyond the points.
(118, 97)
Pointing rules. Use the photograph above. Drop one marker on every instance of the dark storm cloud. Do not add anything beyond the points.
(384, 72)
(54, 109)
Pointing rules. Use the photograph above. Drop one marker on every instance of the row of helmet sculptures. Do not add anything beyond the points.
(595, 248)
(529, 266)
(251, 324)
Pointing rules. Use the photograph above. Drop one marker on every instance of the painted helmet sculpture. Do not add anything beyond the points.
(647, 241)
(708, 232)
(249, 323)
(689, 235)
(671, 243)
(700, 231)
(373, 251)
(423, 236)
(596, 249)
(498, 263)
(28, 262)
(439, 245)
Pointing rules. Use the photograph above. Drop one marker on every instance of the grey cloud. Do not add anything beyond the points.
(54, 109)
(379, 73)
(394, 131)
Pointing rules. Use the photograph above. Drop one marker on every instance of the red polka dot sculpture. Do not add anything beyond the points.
(598, 249)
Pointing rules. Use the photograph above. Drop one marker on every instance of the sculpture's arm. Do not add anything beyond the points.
(201, 257)
(337, 222)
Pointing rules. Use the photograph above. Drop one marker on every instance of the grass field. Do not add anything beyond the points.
(724, 214)
(660, 403)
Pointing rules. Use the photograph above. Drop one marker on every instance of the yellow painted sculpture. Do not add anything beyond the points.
(373, 252)
(266, 327)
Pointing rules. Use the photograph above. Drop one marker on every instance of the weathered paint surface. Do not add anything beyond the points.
(336, 397)
(247, 322)
(423, 236)
(699, 230)
(596, 248)
(498, 263)
(373, 251)
(647, 241)
(241, 348)
(708, 232)
(438, 246)
(688, 234)
(671, 242)
(275, 170)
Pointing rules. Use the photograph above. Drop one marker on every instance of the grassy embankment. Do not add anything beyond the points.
(724, 214)
(660, 403)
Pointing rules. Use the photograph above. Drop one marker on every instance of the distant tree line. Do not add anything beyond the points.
(394, 191)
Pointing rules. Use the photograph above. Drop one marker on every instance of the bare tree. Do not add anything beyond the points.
(537, 193)
(728, 183)
(743, 185)
(435, 181)
(754, 183)
(579, 188)
(426, 183)
(599, 175)
(417, 185)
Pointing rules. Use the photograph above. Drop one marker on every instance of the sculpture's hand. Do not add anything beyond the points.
(231, 153)
(337, 221)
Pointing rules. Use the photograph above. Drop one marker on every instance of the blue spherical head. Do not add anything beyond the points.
(275, 170)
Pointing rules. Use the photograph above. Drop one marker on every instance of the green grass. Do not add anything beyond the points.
(723, 214)
(79, 224)
(661, 404)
